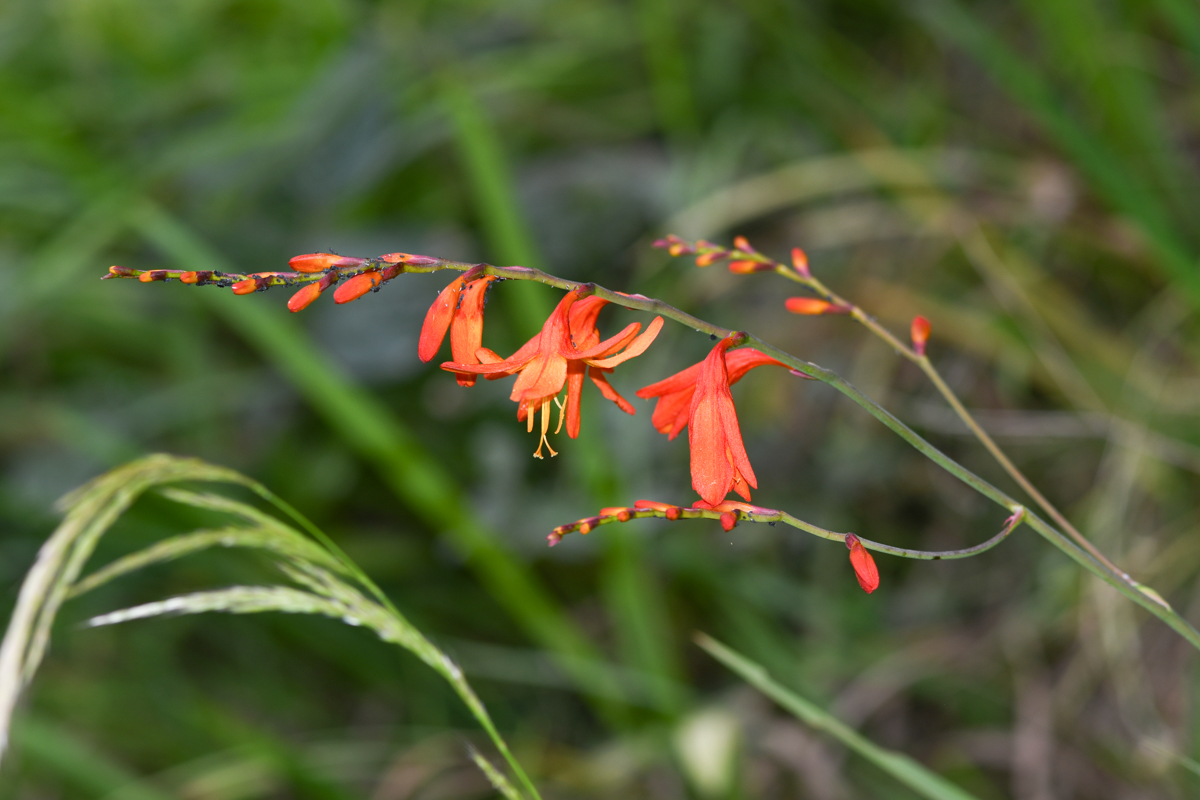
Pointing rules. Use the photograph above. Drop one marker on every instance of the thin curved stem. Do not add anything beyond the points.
(394, 264)
(772, 516)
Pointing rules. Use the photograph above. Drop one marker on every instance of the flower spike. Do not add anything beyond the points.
(864, 565)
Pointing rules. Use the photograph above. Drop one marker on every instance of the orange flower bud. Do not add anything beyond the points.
(153, 275)
(742, 267)
(800, 262)
(304, 298)
(248, 286)
(704, 259)
(864, 565)
(741, 244)
(357, 286)
(809, 306)
(586, 525)
(920, 334)
(189, 277)
(728, 520)
(621, 513)
(318, 262)
(119, 272)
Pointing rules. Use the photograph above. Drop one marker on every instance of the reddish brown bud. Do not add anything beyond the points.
(800, 262)
(554, 538)
(586, 525)
(119, 272)
(864, 565)
(357, 286)
(153, 275)
(704, 259)
(728, 520)
(671, 512)
(318, 262)
(621, 513)
(920, 334)
(304, 298)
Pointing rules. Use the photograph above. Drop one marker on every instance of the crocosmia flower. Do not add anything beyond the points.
(718, 457)
(675, 393)
(546, 363)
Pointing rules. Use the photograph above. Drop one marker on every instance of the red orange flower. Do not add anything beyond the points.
(459, 310)
(718, 458)
(551, 360)
(675, 393)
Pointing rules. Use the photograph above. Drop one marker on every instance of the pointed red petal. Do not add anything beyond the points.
(575, 370)
(609, 345)
(685, 379)
(437, 321)
(635, 348)
(741, 361)
(466, 330)
(583, 321)
(609, 392)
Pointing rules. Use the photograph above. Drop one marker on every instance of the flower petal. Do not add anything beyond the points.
(608, 391)
(437, 320)
(636, 347)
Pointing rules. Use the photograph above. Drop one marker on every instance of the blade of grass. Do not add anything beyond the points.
(915, 776)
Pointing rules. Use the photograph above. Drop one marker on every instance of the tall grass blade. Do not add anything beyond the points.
(920, 779)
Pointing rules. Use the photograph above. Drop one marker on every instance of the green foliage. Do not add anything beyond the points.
(1021, 174)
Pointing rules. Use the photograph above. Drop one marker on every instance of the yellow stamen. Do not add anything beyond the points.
(545, 428)
(562, 413)
(528, 419)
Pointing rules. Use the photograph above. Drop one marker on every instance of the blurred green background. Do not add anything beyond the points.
(1024, 174)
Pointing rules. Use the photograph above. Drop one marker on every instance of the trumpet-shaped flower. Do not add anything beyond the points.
(459, 310)
(718, 458)
(674, 394)
(555, 358)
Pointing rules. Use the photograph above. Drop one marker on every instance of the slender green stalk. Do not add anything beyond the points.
(396, 263)
(771, 516)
